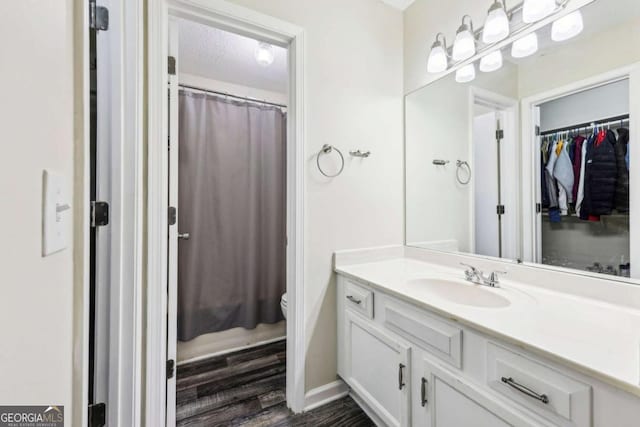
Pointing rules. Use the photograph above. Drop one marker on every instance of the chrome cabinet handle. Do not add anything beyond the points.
(354, 299)
(401, 376)
(525, 390)
(184, 236)
(423, 392)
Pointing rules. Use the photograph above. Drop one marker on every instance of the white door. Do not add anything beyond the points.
(449, 401)
(378, 369)
(172, 271)
(486, 192)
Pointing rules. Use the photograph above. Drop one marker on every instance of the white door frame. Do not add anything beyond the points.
(231, 17)
(530, 158)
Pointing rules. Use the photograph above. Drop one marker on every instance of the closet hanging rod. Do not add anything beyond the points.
(228, 95)
(610, 120)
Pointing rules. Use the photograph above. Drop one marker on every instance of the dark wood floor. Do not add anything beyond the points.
(247, 388)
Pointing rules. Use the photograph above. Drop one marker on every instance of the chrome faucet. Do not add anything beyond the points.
(474, 275)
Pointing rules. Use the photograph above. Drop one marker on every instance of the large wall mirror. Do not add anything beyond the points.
(534, 161)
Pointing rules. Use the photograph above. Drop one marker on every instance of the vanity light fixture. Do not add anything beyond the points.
(438, 61)
(491, 62)
(265, 54)
(496, 27)
(535, 10)
(464, 46)
(567, 27)
(466, 74)
(526, 46)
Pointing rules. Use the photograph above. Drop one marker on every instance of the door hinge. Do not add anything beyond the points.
(500, 134)
(537, 130)
(172, 65)
(99, 214)
(500, 209)
(98, 17)
(97, 415)
(173, 215)
(538, 207)
(171, 364)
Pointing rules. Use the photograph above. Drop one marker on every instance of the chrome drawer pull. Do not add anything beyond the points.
(401, 376)
(526, 390)
(423, 392)
(354, 299)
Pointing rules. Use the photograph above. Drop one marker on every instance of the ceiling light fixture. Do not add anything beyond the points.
(265, 54)
(496, 27)
(466, 74)
(491, 62)
(567, 27)
(535, 10)
(438, 62)
(464, 46)
(526, 46)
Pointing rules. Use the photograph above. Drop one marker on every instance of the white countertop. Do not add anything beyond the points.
(599, 339)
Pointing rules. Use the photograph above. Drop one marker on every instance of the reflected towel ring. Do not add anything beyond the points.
(463, 165)
(326, 149)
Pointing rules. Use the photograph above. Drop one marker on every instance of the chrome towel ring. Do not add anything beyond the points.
(326, 149)
(461, 165)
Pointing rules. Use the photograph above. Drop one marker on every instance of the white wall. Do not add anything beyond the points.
(354, 93)
(37, 110)
(594, 104)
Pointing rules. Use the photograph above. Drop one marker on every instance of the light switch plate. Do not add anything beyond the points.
(56, 213)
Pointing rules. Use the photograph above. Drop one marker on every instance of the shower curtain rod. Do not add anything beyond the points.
(258, 101)
(610, 120)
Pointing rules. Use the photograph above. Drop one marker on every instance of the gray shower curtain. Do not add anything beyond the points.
(232, 200)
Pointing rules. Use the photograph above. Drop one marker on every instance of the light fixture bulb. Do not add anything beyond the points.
(535, 10)
(491, 62)
(464, 46)
(526, 46)
(496, 27)
(466, 74)
(265, 54)
(437, 62)
(567, 27)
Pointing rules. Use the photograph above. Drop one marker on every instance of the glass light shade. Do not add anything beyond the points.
(496, 27)
(535, 10)
(526, 46)
(567, 27)
(466, 74)
(437, 62)
(465, 45)
(491, 62)
(265, 54)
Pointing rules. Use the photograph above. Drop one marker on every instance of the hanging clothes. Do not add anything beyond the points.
(600, 180)
(552, 189)
(622, 177)
(583, 163)
(587, 161)
(577, 165)
(563, 172)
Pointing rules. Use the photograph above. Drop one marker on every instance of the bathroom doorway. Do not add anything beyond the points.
(227, 214)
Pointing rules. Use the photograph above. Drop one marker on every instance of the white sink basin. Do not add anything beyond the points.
(463, 293)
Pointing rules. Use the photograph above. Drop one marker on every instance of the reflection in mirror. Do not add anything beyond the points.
(529, 158)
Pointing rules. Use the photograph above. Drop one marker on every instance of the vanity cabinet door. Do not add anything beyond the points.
(449, 400)
(378, 369)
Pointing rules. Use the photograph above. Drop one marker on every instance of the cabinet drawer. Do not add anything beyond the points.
(538, 387)
(359, 299)
(437, 336)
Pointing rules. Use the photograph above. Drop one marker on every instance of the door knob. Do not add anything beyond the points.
(184, 236)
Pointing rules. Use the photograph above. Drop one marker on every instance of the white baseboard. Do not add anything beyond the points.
(322, 395)
(367, 409)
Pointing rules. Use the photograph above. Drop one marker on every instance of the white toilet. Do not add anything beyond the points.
(283, 304)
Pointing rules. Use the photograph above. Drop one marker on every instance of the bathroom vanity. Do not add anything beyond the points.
(421, 346)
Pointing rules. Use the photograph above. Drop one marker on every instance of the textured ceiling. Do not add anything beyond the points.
(399, 4)
(220, 55)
